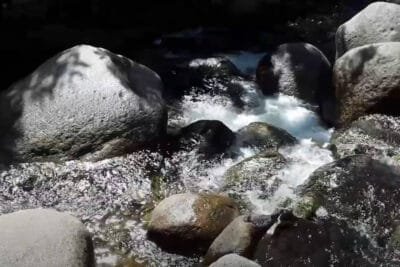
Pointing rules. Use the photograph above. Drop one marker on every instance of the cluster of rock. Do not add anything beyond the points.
(346, 213)
(89, 104)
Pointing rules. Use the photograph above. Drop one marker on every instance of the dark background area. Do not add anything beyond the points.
(34, 30)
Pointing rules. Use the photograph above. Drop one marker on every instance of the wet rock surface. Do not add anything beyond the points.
(209, 138)
(44, 238)
(301, 242)
(263, 136)
(361, 191)
(374, 135)
(85, 102)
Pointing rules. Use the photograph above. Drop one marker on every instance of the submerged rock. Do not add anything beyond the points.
(361, 191)
(234, 260)
(367, 81)
(44, 238)
(195, 219)
(379, 22)
(86, 103)
(239, 237)
(299, 242)
(300, 70)
(255, 173)
(263, 136)
(376, 135)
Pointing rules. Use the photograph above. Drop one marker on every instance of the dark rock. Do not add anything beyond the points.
(209, 138)
(234, 260)
(298, 242)
(263, 136)
(301, 70)
(367, 81)
(377, 23)
(363, 192)
(44, 238)
(86, 102)
(239, 237)
(195, 219)
(374, 135)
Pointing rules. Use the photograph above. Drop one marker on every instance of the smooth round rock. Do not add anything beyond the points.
(263, 136)
(85, 102)
(367, 81)
(190, 218)
(379, 22)
(234, 260)
(239, 237)
(44, 238)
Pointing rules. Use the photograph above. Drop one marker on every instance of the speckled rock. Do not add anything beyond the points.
(255, 172)
(376, 135)
(367, 81)
(299, 242)
(44, 238)
(379, 22)
(190, 218)
(85, 102)
(361, 191)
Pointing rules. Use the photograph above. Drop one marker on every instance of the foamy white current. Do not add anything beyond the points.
(282, 111)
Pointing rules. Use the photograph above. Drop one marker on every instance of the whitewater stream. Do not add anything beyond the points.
(114, 197)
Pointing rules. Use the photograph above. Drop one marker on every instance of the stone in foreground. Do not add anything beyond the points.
(44, 238)
(195, 219)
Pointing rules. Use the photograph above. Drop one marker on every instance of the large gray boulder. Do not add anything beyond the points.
(85, 102)
(44, 238)
(195, 219)
(367, 81)
(300, 70)
(378, 22)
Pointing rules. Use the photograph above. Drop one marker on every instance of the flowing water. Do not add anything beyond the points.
(114, 197)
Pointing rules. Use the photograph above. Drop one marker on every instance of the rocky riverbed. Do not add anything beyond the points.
(240, 158)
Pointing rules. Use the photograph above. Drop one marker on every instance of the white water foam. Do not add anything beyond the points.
(282, 111)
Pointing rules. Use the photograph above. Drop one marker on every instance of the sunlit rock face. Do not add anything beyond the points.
(379, 22)
(367, 81)
(85, 102)
(46, 238)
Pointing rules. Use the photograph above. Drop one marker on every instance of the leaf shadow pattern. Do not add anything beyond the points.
(60, 72)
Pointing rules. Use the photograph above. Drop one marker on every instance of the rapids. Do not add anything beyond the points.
(114, 197)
